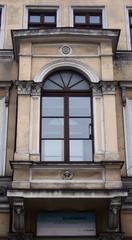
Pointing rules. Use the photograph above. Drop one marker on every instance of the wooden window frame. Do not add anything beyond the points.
(66, 118)
(42, 14)
(87, 14)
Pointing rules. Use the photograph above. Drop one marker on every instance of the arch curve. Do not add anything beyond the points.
(70, 64)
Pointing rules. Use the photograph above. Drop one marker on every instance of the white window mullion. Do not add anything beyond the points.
(128, 134)
(3, 131)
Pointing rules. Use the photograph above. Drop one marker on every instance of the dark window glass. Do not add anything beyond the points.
(41, 19)
(34, 19)
(130, 23)
(49, 19)
(80, 19)
(66, 118)
(0, 18)
(88, 19)
(94, 19)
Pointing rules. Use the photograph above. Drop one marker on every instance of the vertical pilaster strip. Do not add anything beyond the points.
(110, 121)
(23, 120)
(107, 73)
(25, 61)
(34, 139)
(98, 114)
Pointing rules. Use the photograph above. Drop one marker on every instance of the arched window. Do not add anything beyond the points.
(66, 118)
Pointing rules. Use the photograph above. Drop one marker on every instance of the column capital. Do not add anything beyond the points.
(115, 205)
(113, 216)
(36, 89)
(28, 88)
(108, 87)
(104, 87)
(23, 87)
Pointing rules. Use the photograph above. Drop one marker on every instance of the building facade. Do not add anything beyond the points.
(65, 119)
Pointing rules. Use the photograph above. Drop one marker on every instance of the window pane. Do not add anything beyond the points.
(0, 17)
(80, 19)
(80, 150)
(52, 128)
(66, 225)
(52, 150)
(34, 19)
(66, 76)
(130, 18)
(80, 127)
(94, 19)
(81, 86)
(79, 106)
(52, 106)
(49, 19)
(75, 79)
(48, 85)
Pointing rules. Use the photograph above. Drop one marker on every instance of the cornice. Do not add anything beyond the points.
(106, 164)
(64, 35)
(123, 56)
(6, 54)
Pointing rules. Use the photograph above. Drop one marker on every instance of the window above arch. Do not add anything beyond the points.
(66, 118)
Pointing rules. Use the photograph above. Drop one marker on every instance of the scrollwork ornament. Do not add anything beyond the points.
(67, 175)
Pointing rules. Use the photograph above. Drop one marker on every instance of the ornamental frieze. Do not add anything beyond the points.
(34, 89)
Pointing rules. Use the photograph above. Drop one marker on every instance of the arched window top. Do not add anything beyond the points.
(66, 80)
(66, 118)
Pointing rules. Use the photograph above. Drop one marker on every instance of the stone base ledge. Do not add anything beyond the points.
(67, 193)
(111, 236)
(102, 236)
(41, 175)
(20, 236)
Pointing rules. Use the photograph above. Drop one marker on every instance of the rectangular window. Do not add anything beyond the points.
(2, 25)
(128, 134)
(130, 24)
(66, 224)
(88, 19)
(3, 127)
(41, 19)
(0, 18)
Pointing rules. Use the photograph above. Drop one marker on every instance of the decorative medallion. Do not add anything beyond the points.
(65, 50)
(67, 175)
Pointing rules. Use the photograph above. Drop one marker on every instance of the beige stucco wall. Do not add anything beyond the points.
(4, 224)
(115, 14)
(8, 70)
(123, 69)
(126, 223)
(105, 67)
